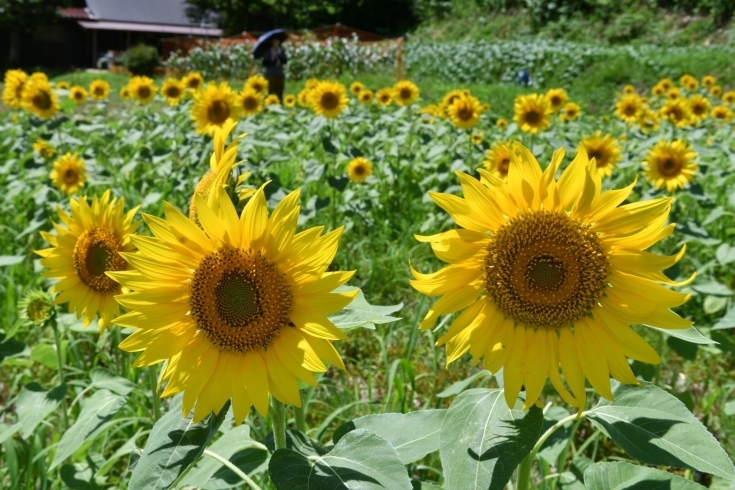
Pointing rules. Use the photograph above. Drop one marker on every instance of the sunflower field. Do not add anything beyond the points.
(361, 287)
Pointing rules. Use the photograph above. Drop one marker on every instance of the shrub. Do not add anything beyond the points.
(141, 59)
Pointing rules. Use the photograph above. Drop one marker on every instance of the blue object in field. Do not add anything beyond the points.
(524, 78)
(264, 41)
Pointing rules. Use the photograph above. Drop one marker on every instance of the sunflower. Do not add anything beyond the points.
(501, 123)
(311, 83)
(359, 169)
(213, 106)
(173, 90)
(384, 96)
(303, 98)
(62, 85)
(678, 112)
(78, 94)
(356, 88)
(289, 100)
(39, 98)
(142, 89)
(329, 99)
(44, 148)
(658, 90)
(69, 173)
(729, 97)
(193, 81)
(715, 91)
(557, 97)
(648, 121)
(570, 112)
(629, 89)
(257, 83)
(629, 107)
(673, 93)
(721, 112)
(366, 96)
(689, 82)
(240, 311)
(464, 111)
(36, 307)
(550, 273)
(271, 99)
(708, 81)
(699, 107)
(670, 165)
(249, 102)
(449, 98)
(477, 137)
(99, 89)
(532, 113)
(497, 159)
(405, 92)
(38, 76)
(604, 149)
(666, 83)
(86, 247)
(125, 92)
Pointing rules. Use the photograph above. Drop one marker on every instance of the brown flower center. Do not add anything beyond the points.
(144, 91)
(218, 111)
(669, 166)
(329, 101)
(42, 100)
(96, 252)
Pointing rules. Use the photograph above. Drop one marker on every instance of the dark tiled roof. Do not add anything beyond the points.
(169, 12)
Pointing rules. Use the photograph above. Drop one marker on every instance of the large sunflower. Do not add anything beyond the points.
(629, 107)
(497, 159)
(213, 106)
(69, 173)
(550, 273)
(405, 92)
(13, 88)
(240, 310)
(329, 99)
(670, 165)
(605, 151)
(85, 248)
(359, 169)
(174, 90)
(99, 89)
(464, 111)
(699, 107)
(249, 102)
(557, 97)
(78, 94)
(143, 89)
(532, 113)
(678, 112)
(257, 83)
(39, 98)
(193, 80)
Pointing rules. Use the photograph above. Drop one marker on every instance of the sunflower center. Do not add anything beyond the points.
(555, 100)
(405, 93)
(465, 113)
(669, 166)
(42, 100)
(504, 165)
(359, 170)
(240, 300)
(193, 83)
(545, 269)
(533, 117)
(630, 110)
(599, 157)
(173, 93)
(95, 253)
(99, 91)
(250, 103)
(71, 176)
(258, 87)
(144, 91)
(78, 95)
(329, 100)
(218, 111)
(698, 109)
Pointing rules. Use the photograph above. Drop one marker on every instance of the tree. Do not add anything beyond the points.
(17, 16)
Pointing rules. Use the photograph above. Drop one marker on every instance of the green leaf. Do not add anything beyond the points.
(172, 446)
(656, 428)
(299, 442)
(727, 321)
(359, 313)
(10, 347)
(413, 435)
(237, 447)
(685, 349)
(82, 476)
(338, 183)
(459, 386)
(104, 379)
(712, 288)
(34, 404)
(46, 354)
(483, 441)
(690, 334)
(360, 460)
(619, 475)
(6, 260)
(725, 254)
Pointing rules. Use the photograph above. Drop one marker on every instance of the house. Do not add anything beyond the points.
(91, 28)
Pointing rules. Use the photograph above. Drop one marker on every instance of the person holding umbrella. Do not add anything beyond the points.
(269, 49)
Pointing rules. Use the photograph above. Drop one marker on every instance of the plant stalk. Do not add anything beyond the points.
(300, 415)
(154, 390)
(234, 469)
(59, 361)
(278, 419)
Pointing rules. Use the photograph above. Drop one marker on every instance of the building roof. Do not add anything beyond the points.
(157, 28)
(168, 12)
(74, 13)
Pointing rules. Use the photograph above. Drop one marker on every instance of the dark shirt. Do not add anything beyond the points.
(273, 61)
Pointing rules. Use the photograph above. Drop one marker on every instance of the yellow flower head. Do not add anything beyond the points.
(13, 88)
(629, 89)
(501, 123)
(605, 151)
(329, 99)
(699, 107)
(271, 99)
(629, 107)
(548, 274)
(359, 169)
(477, 137)
(213, 106)
(384, 96)
(678, 112)
(240, 310)
(648, 121)
(289, 100)
(62, 85)
(86, 247)
(673, 93)
(721, 112)
(405, 92)
(729, 97)
(39, 76)
(658, 90)
(193, 81)
(532, 113)
(464, 111)
(125, 93)
(666, 83)
(78, 94)
(670, 165)
(715, 90)
(36, 307)
(99, 89)
(311, 83)
(689, 82)
(356, 88)
(303, 98)
(449, 98)
(557, 97)
(497, 159)
(708, 81)
(257, 83)
(366, 96)
(173, 90)
(44, 148)
(39, 98)
(570, 112)
(142, 89)
(69, 173)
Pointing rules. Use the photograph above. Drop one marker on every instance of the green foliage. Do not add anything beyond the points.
(141, 60)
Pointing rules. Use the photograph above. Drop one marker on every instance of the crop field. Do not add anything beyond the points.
(370, 284)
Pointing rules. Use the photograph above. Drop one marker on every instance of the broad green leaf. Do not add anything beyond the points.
(413, 435)
(83, 476)
(360, 313)
(620, 475)
(656, 428)
(10, 347)
(97, 410)
(725, 254)
(712, 288)
(299, 442)
(104, 379)
(6, 260)
(459, 386)
(34, 404)
(360, 460)
(554, 445)
(483, 441)
(727, 321)
(46, 354)
(237, 447)
(690, 334)
(172, 446)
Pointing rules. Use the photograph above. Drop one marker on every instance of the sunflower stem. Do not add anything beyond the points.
(300, 417)
(524, 473)
(60, 362)
(278, 419)
(152, 379)
(227, 463)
